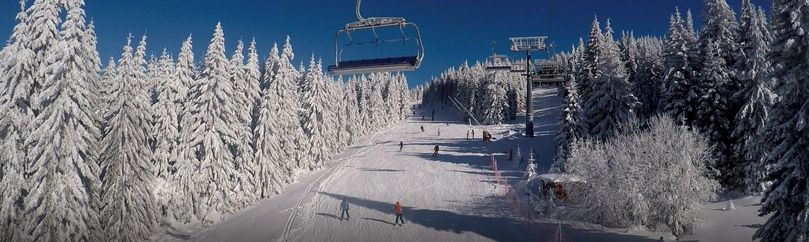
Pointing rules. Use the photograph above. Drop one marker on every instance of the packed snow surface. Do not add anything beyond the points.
(452, 197)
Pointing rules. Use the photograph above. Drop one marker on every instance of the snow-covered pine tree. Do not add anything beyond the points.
(166, 129)
(15, 68)
(185, 69)
(94, 64)
(284, 86)
(128, 170)
(375, 102)
(274, 167)
(629, 55)
(107, 83)
(314, 119)
(720, 26)
(351, 113)
(364, 105)
(270, 67)
(210, 135)
(391, 99)
(786, 133)
(711, 119)
(332, 124)
(678, 101)
(166, 117)
(253, 79)
(756, 97)
(595, 45)
(611, 101)
(569, 127)
(243, 103)
(405, 99)
(62, 169)
(185, 203)
(494, 101)
(648, 84)
(43, 33)
(15, 71)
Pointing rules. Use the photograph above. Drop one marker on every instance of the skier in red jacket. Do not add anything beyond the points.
(398, 209)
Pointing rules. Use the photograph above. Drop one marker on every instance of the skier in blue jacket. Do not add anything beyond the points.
(344, 209)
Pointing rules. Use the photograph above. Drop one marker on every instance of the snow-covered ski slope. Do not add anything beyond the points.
(452, 197)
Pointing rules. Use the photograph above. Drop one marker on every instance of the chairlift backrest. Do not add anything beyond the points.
(371, 65)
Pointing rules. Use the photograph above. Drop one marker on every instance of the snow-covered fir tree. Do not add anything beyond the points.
(128, 170)
(14, 71)
(274, 166)
(315, 123)
(270, 67)
(210, 134)
(405, 100)
(648, 85)
(16, 78)
(166, 116)
(185, 204)
(786, 133)
(349, 113)
(166, 129)
(253, 81)
(678, 101)
(106, 85)
(494, 101)
(284, 86)
(611, 101)
(569, 126)
(595, 46)
(756, 97)
(63, 181)
(243, 103)
(43, 32)
(712, 115)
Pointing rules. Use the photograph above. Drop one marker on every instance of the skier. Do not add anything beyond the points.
(401, 145)
(473, 134)
(435, 151)
(344, 209)
(467, 134)
(422, 128)
(439, 132)
(398, 209)
(447, 123)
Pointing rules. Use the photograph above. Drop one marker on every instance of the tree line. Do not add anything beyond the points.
(89, 154)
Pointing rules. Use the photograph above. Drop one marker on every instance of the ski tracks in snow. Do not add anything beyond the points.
(341, 163)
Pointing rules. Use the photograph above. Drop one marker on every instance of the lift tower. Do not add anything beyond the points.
(528, 45)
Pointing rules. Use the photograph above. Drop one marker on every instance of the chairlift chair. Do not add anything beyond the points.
(386, 64)
(498, 63)
(548, 72)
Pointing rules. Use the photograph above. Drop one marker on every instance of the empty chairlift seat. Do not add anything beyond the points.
(375, 65)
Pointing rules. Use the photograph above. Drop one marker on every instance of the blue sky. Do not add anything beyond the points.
(452, 30)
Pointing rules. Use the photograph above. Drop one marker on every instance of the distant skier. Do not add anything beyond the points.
(344, 209)
(435, 151)
(401, 146)
(398, 209)
(447, 122)
(439, 132)
(473, 134)
(467, 134)
(422, 128)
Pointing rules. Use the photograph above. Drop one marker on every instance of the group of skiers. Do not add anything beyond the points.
(397, 209)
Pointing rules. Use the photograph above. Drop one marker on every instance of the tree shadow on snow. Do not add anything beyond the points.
(495, 228)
